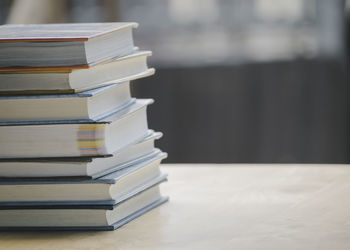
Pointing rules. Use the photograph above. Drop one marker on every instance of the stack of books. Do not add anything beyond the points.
(75, 149)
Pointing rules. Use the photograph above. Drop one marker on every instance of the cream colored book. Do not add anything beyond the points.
(72, 139)
(49, 81)
(63, 45)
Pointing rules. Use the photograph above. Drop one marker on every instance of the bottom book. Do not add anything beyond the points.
(75, 218)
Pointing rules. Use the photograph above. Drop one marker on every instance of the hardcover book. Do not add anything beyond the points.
(80, 167)
(72, 139)
(109, 189)
(48, 81)
(80, 218)
(63, 45)
(87, 106)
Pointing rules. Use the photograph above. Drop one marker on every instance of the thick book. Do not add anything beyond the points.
(46, 81)
(109, 189)
(80, 218)
(63, 45)
(80, 167)
(73, 139)
(89, 106)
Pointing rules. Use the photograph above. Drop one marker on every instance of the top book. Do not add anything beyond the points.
(63, 45)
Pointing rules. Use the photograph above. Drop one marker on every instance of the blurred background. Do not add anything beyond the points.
(255, 81)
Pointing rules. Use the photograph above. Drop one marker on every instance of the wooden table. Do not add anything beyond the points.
(228, 207)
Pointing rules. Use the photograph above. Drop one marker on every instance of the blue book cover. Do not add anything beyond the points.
(106, 205)
(112, 227)
(94, 206)
(110, 177)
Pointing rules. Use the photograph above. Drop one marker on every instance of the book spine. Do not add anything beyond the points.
(91, 139)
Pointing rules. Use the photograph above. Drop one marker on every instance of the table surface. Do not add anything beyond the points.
(232, 206)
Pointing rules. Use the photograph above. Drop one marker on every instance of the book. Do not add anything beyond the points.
(73, 139)
(81, 218)
(108, 189)
(80, 167)
(87, 106)
(46, 81)
(76, 152)
(63, 45)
